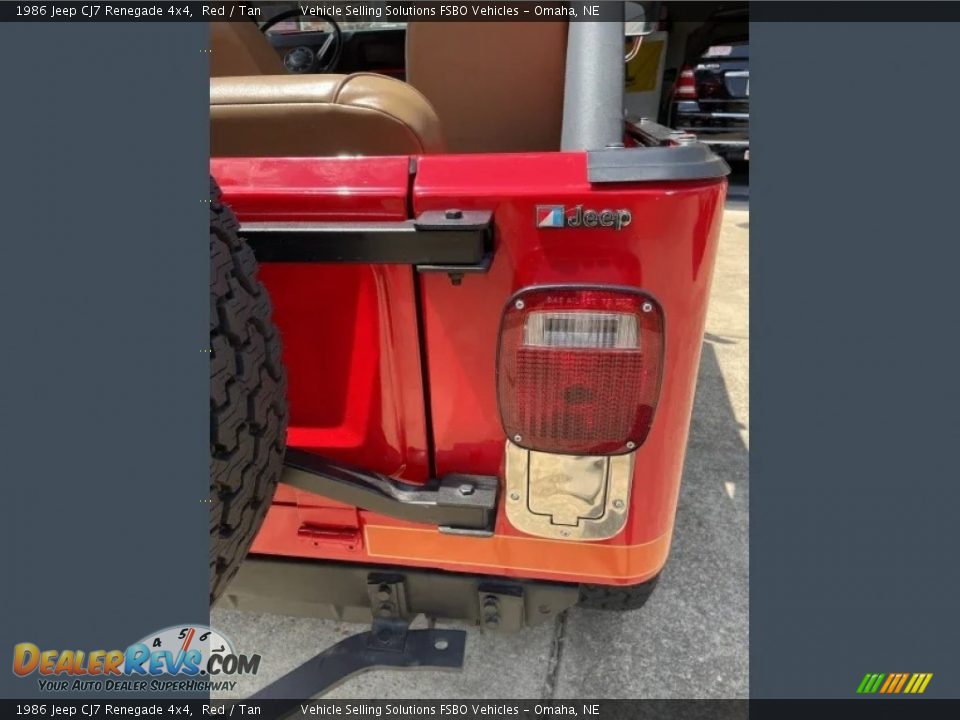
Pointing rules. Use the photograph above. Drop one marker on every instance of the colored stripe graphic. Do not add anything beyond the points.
(550, 216)
(890, 686)
(870, 683)
(894, 683)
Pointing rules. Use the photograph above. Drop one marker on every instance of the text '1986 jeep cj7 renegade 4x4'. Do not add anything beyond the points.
(491, 293)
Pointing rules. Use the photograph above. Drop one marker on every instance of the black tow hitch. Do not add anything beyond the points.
(458, 504)
(461, 504)
(390, 643)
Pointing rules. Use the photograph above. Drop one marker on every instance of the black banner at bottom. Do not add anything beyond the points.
(853, 709)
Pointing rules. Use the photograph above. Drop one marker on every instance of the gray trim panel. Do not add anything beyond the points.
(693, 161)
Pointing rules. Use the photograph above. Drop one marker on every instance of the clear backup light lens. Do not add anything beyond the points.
(579, 369)
(581, 330)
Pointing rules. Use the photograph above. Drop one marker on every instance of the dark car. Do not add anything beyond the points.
(711, 99)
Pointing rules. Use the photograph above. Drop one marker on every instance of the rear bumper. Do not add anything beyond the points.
(729, 149)
(726, 146)
(726, 132)
(340, 591)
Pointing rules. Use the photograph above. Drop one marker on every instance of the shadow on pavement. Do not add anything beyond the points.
(691, 639)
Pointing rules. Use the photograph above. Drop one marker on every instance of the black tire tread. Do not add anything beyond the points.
(248, 407)
(610, 597)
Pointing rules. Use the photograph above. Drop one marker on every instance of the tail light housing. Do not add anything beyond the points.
(578, 369)
(686, 88)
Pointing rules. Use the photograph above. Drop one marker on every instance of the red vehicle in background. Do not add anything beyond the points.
(490, 295)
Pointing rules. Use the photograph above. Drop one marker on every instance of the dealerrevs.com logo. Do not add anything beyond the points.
(559, 216)
(197, 656)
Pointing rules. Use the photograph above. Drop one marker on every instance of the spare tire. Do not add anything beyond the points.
(248, 405)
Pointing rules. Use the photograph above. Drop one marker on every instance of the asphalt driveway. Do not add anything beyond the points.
(689, 641)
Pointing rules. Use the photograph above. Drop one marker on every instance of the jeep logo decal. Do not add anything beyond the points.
(557, 216)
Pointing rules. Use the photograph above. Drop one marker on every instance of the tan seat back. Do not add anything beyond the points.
(239, 48)
(320, 115)
(497, 86)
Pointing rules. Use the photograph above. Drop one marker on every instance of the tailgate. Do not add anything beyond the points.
(350, 329)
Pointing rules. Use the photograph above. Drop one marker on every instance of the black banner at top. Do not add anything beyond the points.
(441, 11)
(371, 11)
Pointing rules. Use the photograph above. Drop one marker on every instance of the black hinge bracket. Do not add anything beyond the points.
(436, 241)
(457, 503)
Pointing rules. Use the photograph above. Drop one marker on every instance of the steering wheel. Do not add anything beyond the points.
(332, 46)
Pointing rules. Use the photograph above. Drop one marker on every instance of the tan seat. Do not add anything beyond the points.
(260, 113)
(318, 115)
(497, 86)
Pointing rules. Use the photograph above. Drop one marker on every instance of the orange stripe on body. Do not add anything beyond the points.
(903, 679)
(887, 683)
(513, 552)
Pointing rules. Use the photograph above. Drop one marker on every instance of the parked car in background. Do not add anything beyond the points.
(711, 99)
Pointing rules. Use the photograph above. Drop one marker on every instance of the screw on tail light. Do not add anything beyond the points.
(578, 369)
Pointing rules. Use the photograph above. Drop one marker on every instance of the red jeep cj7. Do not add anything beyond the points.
(490, 292)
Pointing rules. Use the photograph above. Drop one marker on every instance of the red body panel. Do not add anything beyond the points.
(349, 331)
(668, 251)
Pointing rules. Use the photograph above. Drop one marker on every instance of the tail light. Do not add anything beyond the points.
(686, 85)
(578, 369)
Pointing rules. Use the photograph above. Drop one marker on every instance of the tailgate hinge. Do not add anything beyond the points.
(456, 504)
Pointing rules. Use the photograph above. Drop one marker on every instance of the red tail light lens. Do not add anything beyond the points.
(579, 369)
(686, 85)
